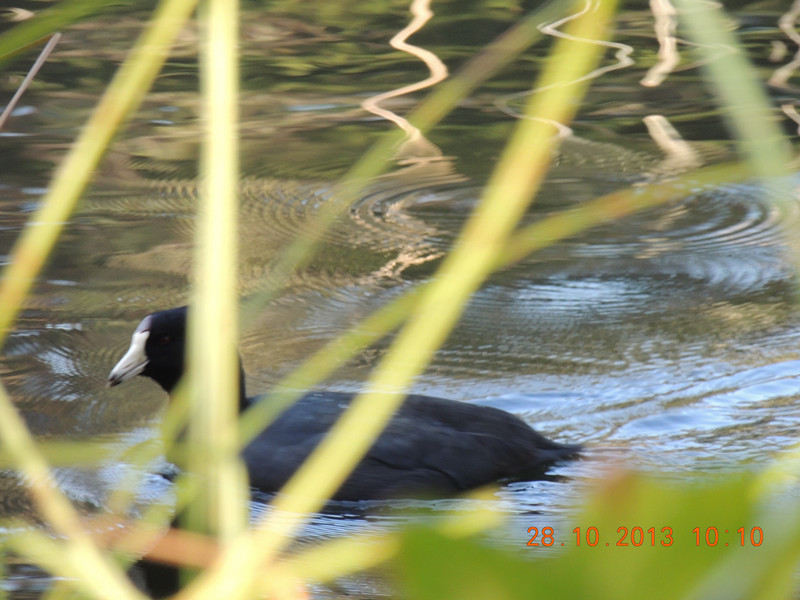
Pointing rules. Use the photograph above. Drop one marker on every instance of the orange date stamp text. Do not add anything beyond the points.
(637, 536)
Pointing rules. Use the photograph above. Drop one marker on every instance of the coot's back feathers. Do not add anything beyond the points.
(431, 445)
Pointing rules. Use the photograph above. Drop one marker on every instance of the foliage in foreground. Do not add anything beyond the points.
(638, 536)
(676, 532)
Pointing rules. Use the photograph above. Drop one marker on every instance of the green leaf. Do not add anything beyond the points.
(46, 22)
(694, 549)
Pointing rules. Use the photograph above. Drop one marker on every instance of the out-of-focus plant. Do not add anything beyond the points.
(240, 563)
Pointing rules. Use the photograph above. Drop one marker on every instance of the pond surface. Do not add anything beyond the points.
(669, 341)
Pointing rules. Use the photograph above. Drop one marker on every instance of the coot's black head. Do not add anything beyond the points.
(158, 350)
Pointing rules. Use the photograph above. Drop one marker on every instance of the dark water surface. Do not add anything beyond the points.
(669, 340)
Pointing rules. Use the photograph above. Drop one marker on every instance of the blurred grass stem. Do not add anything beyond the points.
(85, 561)
(213, 323)
(430, 111)
(515, 180)
(123, 95)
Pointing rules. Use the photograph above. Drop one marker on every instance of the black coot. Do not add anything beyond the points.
(431, 445)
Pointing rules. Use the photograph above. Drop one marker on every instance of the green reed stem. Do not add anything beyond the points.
(431, 110)
(213, 324)
(439, 103)
(83, 558)
(538, 235)
(739, 89)
(21, 38)
(515, 181)
(123, 95)
(761, 143)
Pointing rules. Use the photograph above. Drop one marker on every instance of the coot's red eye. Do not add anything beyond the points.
(164, 340)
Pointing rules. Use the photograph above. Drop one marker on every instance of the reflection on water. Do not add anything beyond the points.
(668, 339)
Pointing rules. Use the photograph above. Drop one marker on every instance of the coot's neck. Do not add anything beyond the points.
(170, 383)
(242, 393)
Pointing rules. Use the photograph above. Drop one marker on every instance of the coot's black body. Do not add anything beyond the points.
(431, 445)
